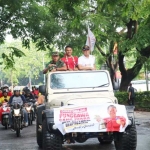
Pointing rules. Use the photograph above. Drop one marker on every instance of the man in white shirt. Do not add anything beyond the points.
(86, 61)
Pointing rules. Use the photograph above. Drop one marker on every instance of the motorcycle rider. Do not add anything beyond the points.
(6, 87)
(24, 90)
(5, 97)
(17, 97)
(30, 98)
(28, 95)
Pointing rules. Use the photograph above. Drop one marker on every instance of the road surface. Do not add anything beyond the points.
(27, 141)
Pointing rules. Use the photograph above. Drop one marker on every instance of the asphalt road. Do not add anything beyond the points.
(27, 141)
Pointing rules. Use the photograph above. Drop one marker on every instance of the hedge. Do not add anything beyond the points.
(142, 100)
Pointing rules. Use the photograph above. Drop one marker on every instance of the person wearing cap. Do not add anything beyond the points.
(70, 61)
(86, 61)
(56, 64)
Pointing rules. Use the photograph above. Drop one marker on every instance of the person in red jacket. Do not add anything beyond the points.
(70, 61)
(35, 91)
(113, 123)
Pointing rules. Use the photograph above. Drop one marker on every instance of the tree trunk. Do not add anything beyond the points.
(130, 74)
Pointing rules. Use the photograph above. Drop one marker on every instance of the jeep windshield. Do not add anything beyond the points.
(72, 80)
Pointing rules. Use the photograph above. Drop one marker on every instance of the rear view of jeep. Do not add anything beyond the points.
(80, 105)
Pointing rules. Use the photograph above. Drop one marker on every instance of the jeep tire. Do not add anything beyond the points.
(38, 135)
(126, 140)
(51, 141)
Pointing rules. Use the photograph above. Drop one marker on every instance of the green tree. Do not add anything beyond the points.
(27, 20)
(29, 65)
(105, 17)
(59, 23)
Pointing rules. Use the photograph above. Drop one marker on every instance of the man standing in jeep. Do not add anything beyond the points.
(86, 61)
(55, 64)
(70, 61)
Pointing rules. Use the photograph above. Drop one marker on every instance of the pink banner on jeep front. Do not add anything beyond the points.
(92, 118)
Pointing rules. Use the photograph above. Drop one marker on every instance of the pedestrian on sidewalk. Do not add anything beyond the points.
(131, 95)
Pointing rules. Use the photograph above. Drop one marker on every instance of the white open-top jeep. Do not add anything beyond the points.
(80, 88)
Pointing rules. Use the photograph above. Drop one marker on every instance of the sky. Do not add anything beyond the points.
(9, 38)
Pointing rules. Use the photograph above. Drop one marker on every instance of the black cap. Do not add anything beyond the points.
(55, 53)
(85, 48)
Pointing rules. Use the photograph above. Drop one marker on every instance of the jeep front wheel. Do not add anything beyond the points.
(38, 135)
(51, 141)
(126, 140)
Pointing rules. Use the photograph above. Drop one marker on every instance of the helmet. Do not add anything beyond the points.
(16, 88)
(6, 85)
(25, 89)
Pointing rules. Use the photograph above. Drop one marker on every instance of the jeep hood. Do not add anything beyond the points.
(81, 99)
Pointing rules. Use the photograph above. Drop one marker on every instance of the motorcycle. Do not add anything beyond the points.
(4, 111)
(30, 109)
(17, 117)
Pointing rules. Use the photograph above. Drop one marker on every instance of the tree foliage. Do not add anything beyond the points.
(29, 65)
(105, 18)
(125, 24)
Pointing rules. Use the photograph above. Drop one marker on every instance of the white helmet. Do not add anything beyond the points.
(6, 85)
(16, 88)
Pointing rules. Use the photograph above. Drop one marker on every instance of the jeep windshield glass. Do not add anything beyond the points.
(79, 80)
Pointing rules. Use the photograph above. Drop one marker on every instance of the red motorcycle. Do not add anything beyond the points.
(4, 115)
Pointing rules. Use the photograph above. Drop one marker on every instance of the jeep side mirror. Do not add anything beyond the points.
(42, 89)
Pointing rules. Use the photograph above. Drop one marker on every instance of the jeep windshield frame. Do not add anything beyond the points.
(78, 80)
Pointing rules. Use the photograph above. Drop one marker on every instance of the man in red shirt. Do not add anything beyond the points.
(113, 123)
(70, 61)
